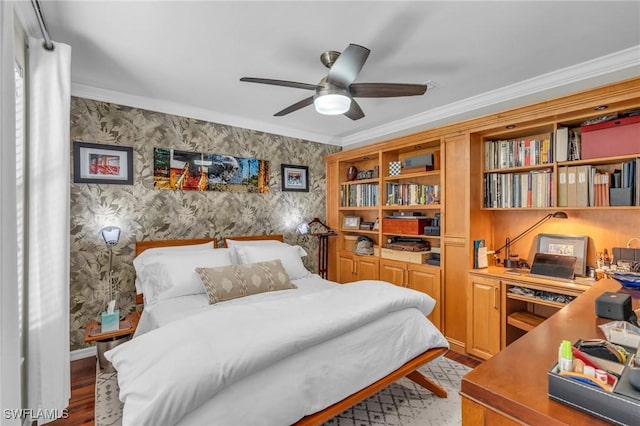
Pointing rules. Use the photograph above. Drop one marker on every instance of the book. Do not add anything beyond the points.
(479, 254)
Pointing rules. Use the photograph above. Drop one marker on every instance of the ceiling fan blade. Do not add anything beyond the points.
(386, 90)
(355, 112)
(298, 105)
(348, 65)
(284, 83)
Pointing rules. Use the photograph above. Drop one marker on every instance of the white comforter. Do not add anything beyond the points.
(173, 370)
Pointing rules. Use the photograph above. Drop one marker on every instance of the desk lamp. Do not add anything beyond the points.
(508, 263)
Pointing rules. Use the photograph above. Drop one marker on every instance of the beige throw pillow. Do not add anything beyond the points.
(233, 281)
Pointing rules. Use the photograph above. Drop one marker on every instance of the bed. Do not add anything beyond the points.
(322, 351)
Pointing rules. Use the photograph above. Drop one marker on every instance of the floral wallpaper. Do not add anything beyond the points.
(144, 213)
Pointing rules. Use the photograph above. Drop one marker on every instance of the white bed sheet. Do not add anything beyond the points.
(310, 380)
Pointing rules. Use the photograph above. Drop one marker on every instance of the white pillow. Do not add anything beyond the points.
(234, 245)
(288, 255)
(147, 257)
(174, 274)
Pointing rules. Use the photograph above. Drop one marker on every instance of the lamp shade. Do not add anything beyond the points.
(110, 235)
(332, 104)
(303, 228)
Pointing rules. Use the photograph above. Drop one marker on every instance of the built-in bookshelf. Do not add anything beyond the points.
(469, 177)
(563, 168)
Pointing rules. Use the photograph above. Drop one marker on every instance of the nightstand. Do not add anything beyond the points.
(111, 339)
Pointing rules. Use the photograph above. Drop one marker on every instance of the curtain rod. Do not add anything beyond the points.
(48, 44)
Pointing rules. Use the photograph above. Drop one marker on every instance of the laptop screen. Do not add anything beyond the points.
(553, 265)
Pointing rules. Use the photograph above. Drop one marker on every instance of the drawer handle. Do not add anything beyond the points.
(495, 298)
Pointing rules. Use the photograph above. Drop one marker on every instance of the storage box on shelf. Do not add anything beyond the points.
(619, 136)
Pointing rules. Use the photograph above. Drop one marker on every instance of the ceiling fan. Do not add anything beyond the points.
(335, 93)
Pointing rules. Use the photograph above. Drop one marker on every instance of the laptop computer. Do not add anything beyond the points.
(550, 265)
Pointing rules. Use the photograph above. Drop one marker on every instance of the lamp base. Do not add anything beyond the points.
(508, 263)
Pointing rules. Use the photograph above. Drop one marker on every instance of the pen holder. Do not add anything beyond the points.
(110, 322)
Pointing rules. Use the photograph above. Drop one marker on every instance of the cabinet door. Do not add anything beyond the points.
(393, 272)
(456, 165)
(483, 317)
(454, 293)
(427, 280)
(367, 268)
(346, 268)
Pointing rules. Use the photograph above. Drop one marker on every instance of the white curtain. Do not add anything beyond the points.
(9, 327)
(48, 153)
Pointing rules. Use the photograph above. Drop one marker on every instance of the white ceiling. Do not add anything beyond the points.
(186, 58)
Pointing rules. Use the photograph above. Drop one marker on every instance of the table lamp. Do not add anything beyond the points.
(110, 319)
(508, 262)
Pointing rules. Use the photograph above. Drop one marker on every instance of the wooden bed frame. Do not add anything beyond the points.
(408, 370)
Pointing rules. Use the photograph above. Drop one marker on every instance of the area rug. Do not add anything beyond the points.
(404, 403)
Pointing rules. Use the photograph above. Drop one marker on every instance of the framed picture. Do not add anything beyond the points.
(351, 222)
(295, 178)
(97, 163)
(569, 245)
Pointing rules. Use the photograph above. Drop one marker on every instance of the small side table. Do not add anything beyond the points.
(111, 339)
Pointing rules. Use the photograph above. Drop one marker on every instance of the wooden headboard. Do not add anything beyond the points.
(144, 245)
(276, 237)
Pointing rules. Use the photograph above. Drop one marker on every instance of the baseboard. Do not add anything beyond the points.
(83, 353)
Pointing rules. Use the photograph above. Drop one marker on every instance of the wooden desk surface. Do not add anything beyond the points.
(514, 382)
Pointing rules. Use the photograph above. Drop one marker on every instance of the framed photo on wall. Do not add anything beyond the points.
(568, 245)
(295, 178)
(97, 163)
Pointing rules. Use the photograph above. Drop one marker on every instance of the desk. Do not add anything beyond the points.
(511, 387)
(503, 304)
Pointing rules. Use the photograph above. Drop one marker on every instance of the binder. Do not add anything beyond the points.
(582, 186)
(562, 144)
(562, 186)
(572, 191)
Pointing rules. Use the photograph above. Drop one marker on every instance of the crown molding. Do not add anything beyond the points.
(176, 108)
(622, 64)
(606, 69)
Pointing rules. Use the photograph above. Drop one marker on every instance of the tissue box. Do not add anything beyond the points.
(110, 322)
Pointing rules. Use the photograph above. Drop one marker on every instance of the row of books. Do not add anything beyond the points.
(408, 194)
(359, 195)
(519, 190)
(590, 186)
(524, 152)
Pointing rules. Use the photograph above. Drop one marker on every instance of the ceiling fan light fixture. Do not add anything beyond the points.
(332, 104)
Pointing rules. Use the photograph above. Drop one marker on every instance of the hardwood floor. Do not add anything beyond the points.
(83, 385)
(83, 390)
